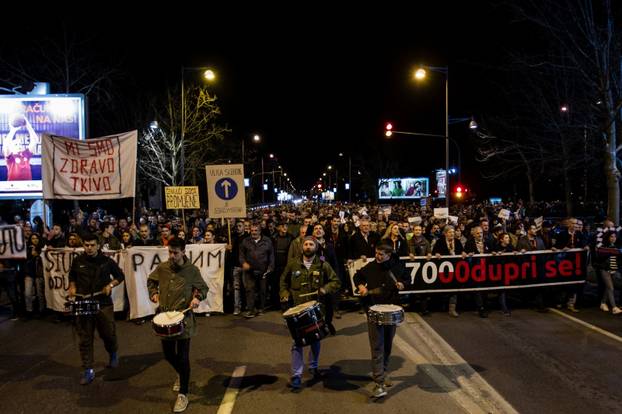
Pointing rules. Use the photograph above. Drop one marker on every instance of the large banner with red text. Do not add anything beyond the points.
(95, 169)
(488, 271)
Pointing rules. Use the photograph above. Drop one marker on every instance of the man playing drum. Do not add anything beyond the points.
(177, 285)
(302, 278)
(377, 283)
(94, 275)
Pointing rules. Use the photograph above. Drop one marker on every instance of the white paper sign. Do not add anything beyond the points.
(442, 212)
(504, 214)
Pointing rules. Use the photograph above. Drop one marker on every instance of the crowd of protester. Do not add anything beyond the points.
(260, 246)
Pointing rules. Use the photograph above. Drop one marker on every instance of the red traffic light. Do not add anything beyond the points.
(458, 189)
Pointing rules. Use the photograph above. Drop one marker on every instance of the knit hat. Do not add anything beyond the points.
(311, 238)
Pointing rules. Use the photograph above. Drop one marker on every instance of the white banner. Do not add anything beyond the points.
(95, 169)
(137, 263)
(56, 267)
(12, 243)
(141, 261)
(354, 267)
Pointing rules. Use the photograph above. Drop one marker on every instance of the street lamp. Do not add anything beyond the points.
(209, 76)
(421, 74)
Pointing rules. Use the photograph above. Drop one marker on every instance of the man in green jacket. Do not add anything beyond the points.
(306, 274)
(177, 284)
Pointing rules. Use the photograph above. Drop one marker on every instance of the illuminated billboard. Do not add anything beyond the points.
(23, 119)
(403, 188)
(441, 183)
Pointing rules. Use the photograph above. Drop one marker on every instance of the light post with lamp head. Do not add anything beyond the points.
(420, 74)
(208, 75)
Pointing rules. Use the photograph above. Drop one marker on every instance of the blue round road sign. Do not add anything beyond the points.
(226, 188)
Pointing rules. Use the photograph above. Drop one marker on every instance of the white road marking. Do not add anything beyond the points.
(464, 385)
(587, 325)
(228, 401)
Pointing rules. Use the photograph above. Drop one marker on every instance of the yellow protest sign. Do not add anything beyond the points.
(182, 197)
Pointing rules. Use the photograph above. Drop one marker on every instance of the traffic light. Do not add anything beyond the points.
(460, 191)
(388, 129)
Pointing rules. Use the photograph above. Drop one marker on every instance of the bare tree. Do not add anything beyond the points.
(590, 36)
(161, 148)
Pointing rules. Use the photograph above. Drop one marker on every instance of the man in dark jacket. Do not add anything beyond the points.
(281, 242)
(257, 259)
(378, 283)
(448, 245)
(94, 275)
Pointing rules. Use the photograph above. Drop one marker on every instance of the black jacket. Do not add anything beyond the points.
(380, 284)
(92, 274)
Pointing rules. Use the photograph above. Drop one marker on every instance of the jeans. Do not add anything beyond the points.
(177, 353)
(85, 325)
(380, 342)
(34, 288)
(237, 288)
(298, 363)
(607, 278)
(253, 278)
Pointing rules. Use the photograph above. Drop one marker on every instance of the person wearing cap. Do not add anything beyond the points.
(306, 274)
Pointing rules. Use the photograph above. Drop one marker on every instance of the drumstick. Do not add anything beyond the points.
(308, 294)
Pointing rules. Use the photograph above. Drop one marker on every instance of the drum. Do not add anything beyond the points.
(306, 323)
(168, 324)
(82, 307)
(386, 315)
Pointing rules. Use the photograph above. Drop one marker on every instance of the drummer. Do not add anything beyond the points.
(93, 275)
(378, 284)
(177, 285)
(302, 278)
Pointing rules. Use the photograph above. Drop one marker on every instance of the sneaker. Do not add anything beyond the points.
(379, 391)
(616, 310)
(176, 384)
(87, 377)
(571, 308)
(294, 383)
(113, 362)
(453, 313)
(388, 382)
(259, 312)
(604, 307)
(507, 313)
(249, 314)
(236, 312)
(180, 404)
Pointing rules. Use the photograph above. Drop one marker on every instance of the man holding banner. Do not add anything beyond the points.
(94, 275)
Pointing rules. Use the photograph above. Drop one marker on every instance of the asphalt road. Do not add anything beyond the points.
(528, 363)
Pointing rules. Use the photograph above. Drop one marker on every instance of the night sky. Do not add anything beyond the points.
(317, 80)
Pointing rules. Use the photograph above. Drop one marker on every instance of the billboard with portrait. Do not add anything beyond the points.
(441, 183)
(403, 188)
(23, 120)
